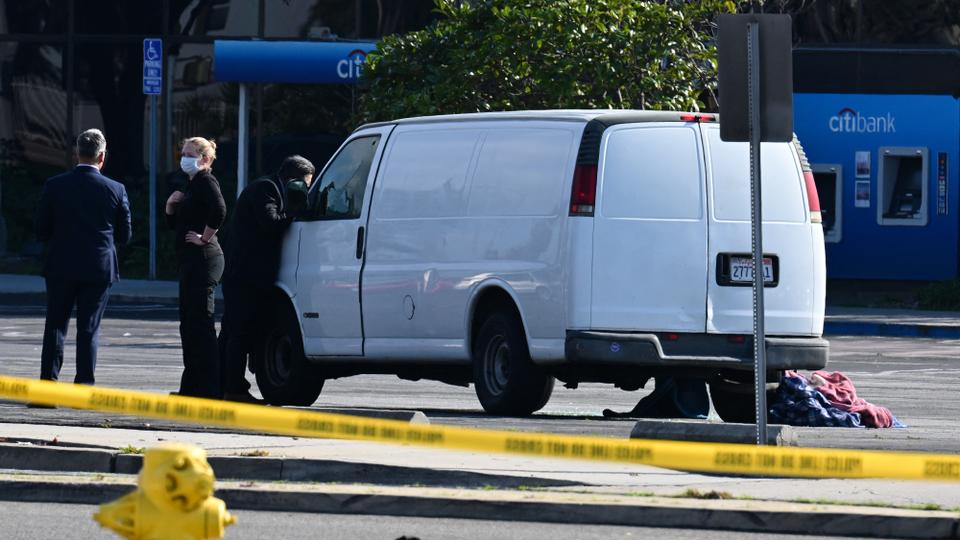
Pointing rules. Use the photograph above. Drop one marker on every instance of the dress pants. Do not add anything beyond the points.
(200, 272)
(90, 299)
(245, 307)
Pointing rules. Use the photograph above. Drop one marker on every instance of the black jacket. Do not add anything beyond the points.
(256, 233)
(82, 216)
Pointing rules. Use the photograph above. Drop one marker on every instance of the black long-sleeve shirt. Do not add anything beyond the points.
(202, 206)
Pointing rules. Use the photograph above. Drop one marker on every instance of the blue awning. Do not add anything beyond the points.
(317, 62)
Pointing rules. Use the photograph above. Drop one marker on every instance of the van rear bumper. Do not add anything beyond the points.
(693, 350)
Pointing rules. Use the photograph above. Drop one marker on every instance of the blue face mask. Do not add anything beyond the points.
(190, 165)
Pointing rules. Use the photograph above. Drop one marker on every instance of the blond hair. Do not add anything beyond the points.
(206, 147)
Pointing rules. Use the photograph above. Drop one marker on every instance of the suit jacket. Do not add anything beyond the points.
(256, 233)
(83, 216)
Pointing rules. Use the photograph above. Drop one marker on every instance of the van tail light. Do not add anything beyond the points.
(812, 198)
(584, 196)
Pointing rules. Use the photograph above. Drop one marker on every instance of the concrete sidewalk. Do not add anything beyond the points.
(892, 322)
(287, 474)
(278, 458)
(839, 320)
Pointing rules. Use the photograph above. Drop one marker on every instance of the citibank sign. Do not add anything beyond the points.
(352, 66)
(850, 121)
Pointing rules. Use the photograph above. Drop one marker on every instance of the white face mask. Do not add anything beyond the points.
(190, 165)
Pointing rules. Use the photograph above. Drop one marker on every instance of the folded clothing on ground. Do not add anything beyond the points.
(799, 404)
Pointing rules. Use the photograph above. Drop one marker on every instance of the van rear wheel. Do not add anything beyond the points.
(506, 380)
(283, 374)
(735, 401)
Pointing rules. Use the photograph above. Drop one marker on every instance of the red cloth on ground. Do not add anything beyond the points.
(840, 392)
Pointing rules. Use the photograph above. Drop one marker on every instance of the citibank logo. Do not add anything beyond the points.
(850, 121)
(352, 66)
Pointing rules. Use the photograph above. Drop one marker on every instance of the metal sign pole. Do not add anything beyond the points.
(756, 227)
(153, 186)
(152, 81)
(242, 141)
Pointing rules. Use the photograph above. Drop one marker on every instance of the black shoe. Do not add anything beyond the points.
(244, 397)
(34, 405)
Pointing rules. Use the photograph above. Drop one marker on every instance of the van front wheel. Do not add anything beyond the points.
(506, 379)
(283, 374)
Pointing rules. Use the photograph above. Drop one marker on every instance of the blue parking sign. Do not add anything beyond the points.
(152, 66)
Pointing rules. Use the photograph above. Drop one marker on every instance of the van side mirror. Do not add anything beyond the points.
(296, 197)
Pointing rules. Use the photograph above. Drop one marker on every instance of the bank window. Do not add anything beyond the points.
(902, 186)
(829, 181)
(338, 194)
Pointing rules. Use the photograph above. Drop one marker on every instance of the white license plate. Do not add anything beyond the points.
(741, 269)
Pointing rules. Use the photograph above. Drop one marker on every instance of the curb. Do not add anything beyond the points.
(34, 458)
(890, 330)
(715, 432)
(747, 516)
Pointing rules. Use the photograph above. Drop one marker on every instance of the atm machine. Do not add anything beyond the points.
(886, 169)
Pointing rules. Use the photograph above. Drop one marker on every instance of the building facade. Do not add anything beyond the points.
(71, 65)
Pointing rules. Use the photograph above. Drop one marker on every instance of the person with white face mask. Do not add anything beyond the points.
(196, 213)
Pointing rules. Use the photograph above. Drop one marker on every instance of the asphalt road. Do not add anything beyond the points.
(18, 521)
(918, 379)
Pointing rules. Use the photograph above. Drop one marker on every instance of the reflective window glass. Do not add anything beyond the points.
(105, 17)
(201, 18)
(34, 143)
(313, 19)
(33, 16)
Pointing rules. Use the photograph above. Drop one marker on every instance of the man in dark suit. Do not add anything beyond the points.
(83, 215)
(252, 263)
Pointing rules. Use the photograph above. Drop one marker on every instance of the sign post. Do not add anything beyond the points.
(152, 84)
(756, 105)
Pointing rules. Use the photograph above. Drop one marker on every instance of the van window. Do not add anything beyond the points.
(520, 172)
(652, 173)
(338, 194)
(782, 198)
(426, 173)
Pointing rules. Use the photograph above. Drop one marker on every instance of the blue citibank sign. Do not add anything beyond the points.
(306, 62)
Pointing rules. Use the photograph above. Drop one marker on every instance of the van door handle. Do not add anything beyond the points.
(360, 243)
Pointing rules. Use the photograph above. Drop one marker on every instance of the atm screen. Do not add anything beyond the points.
(827, 192)
(907, 195)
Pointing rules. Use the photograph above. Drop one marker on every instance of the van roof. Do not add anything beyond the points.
(607, 117)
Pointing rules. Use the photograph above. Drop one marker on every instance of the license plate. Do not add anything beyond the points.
(741, 270)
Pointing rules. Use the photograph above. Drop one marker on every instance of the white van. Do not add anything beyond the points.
(510, 249)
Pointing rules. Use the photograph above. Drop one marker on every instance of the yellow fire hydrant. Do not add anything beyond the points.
(174, 500)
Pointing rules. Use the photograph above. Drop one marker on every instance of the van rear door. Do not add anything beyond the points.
(788, 239)
(650, 230)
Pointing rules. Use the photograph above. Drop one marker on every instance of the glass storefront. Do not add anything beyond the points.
(71, 65)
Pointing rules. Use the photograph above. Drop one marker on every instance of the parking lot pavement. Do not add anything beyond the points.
(916, 378)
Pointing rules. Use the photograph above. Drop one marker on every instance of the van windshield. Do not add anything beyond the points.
(780, 180)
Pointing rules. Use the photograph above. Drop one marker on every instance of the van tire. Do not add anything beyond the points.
(735, 401)
(506, 380)
(283, 374)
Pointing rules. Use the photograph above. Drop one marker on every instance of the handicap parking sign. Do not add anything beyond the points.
(152, 66)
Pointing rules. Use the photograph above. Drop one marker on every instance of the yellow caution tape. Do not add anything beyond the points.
(690, 456)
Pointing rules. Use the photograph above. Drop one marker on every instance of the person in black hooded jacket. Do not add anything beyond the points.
(253, 260)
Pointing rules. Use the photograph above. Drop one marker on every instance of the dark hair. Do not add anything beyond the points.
(90, 144)
(295, 167)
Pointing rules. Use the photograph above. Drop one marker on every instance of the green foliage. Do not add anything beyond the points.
(534, 54)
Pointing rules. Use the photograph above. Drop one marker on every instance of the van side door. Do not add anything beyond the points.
(332, 240)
